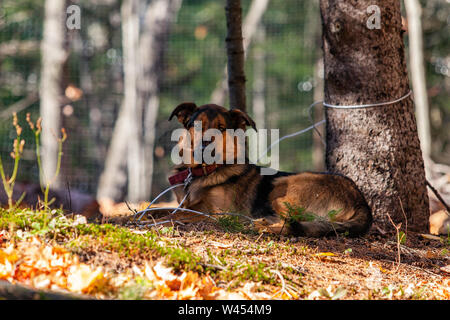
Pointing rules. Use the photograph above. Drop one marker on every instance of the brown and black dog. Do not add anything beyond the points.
(241, 187)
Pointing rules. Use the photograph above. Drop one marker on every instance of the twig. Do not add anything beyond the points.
(414, 267)
(70, 197)
(129, 208)
(283, 284)
(436, 193)
(397, 228)
(19, 106)
(259, 237)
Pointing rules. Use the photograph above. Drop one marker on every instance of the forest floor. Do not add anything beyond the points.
(49, 252)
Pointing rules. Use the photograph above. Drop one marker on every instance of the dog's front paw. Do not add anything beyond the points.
(271, 224)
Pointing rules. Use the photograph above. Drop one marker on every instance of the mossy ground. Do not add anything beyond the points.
(235, 256)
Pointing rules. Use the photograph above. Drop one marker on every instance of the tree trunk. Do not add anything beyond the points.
(130, 44)
(377, 147)
(114, 178)
(159, 16)
(235, 54)
(418, 77)
(251, 23)
(134, 134)
(53, 55)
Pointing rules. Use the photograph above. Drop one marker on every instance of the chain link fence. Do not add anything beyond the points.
(282, 73)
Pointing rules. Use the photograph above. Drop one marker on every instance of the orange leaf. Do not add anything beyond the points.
(325, 254)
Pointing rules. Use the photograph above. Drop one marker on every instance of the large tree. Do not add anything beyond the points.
(377, 147)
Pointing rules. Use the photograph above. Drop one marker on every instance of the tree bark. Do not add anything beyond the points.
(53, 58)
(418, 77)
(251, 23)
(377, 147)
(235, 54)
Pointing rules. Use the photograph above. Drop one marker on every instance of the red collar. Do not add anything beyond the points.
(204, 170)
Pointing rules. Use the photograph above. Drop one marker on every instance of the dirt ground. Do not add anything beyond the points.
(331, 268)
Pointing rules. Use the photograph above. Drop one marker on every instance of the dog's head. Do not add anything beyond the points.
(215, 122)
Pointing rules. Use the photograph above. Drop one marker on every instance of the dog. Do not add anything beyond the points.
(333, 202)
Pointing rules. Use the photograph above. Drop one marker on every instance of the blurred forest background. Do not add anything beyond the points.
(283, 70)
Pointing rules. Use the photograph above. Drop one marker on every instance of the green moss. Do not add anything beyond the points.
(114, 238)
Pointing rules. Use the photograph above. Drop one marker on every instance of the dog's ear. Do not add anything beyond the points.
(183, 112)
(241, 119)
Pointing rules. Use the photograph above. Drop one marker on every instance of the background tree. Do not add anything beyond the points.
(134, 135)
(377, 147)
(418, 78)
(235, 54)
(53, 55)
(250, 30)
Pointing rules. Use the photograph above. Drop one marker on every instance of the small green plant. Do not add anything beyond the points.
(447, 241)
(401, 237)
(8, 182)
(332, 214)
(348, 251)
(37, 129)
(231, 224)
(296, 214)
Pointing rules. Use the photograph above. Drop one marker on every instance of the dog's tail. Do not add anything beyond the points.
(358, 225)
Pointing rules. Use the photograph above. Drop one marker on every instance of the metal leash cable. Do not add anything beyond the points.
(162, 193)
(313, 126)
(186, 183)
(361, 106)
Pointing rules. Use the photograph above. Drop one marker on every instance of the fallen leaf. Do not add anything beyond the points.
(325, 254)
(81, 278)
(163, 272)
(384, 270)
(445, 269)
